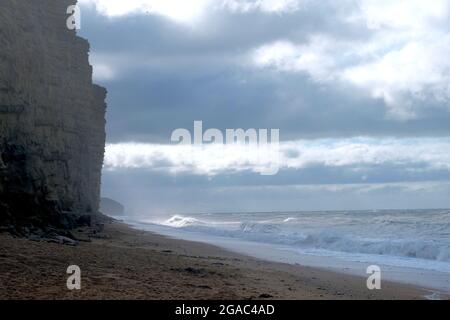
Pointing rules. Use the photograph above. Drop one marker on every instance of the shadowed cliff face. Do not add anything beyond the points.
(52, 118)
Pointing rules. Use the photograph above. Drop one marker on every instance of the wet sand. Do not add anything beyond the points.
(123, 263)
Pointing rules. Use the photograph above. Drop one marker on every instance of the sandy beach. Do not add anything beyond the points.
(122, 263)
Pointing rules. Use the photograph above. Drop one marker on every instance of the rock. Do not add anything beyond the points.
(80, 236)
(84, 220)
(52, 119)
(35, 238)
(7, 228)
(195, 271)
(2, 164)
(62, 240)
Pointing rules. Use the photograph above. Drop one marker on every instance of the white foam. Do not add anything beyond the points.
(180, 222)
(390, 236)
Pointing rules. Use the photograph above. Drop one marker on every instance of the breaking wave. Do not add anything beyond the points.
(394, 234)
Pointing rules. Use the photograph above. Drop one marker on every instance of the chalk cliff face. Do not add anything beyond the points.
(52, 118)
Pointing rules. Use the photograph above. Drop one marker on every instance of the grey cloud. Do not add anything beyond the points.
(173, 75)
(169, 75)
(152, 194)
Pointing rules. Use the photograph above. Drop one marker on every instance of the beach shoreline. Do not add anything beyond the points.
(417, 272)
(124, 263)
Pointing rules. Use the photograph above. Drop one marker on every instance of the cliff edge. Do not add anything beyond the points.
(52, 119)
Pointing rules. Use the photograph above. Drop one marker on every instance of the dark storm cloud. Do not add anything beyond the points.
(218, 33)
(150, 107)
(170, 75)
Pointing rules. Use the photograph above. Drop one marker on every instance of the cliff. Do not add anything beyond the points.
(111, 207)
(52, 119)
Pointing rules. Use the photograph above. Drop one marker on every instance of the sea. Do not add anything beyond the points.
(409, 246)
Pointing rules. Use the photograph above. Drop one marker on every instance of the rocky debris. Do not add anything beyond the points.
(62, 236)
(63, 240)
(53, 239)
(52, 121)
(81, 236)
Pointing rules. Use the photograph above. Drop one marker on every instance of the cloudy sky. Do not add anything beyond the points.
(359, 89)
